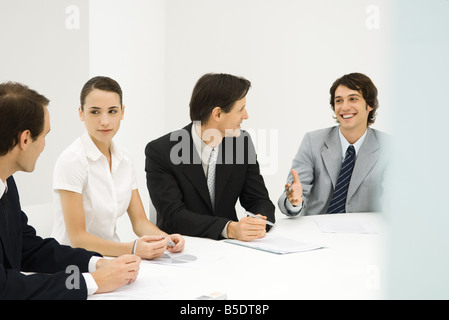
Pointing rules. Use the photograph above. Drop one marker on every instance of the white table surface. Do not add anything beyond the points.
(349, 267)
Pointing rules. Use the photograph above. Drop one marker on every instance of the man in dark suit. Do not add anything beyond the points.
(59, 272)
(195, 175)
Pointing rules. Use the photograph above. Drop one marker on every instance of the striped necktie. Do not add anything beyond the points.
(338, 202)
(211, 176)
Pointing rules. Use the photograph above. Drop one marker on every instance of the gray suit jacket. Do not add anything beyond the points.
(318, 163)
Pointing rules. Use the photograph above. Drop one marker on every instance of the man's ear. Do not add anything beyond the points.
(216, 113)
(25, 139)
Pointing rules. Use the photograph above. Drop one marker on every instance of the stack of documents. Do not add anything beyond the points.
(276, 244)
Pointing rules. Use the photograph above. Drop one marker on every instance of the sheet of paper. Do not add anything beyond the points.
(185, 260)
(337, 225)
(276, 244)
(173, 259)
(144, 288)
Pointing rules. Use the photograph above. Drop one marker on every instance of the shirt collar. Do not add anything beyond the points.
(3, 188)
(345, 144)
(94, 153)
(202, 148)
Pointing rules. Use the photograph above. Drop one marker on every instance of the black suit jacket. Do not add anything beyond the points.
(179, 190)
(22, 250)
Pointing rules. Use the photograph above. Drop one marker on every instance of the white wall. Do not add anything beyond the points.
(42, 47)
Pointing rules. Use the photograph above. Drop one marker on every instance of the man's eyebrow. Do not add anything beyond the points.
(350, 95)
(98, 108)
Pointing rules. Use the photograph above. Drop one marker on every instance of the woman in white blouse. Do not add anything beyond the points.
(94, 184)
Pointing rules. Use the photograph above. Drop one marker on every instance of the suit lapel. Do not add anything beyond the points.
(332, 156)
(367, 157)
(194, 171)
(5, 236)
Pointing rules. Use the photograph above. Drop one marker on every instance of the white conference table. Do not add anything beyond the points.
(348, 267)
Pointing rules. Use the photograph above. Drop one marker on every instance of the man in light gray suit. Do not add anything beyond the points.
(315, 179)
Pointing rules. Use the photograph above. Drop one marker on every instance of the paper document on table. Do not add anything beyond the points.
(146, 287)
(181, 259)
(276, 244)
(175, 258)
(337, 225)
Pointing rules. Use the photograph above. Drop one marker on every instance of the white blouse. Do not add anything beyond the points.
(83, 169)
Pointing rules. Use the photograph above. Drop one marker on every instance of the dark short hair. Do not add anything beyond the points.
(21, 108)
(216, 90)
(362, 84)
(101, 83)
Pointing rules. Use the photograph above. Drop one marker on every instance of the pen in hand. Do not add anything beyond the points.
(133, 251)
(257, 217)
(170, 243)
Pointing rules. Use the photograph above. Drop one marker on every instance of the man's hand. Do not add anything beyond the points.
(247, 229)
(294, 190)
(115, 273)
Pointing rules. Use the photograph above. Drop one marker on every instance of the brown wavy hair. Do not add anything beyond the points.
(362, 84)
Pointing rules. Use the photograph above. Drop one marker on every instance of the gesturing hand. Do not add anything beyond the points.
(294, 190)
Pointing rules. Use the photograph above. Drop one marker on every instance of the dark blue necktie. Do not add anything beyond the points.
(338, 202)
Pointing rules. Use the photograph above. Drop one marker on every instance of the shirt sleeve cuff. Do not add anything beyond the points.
(224, 233)
(93, 263)
(92, 286)
(90, 283)
(291, 208)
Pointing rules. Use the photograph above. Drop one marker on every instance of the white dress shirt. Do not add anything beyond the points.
(83, 169)
(345, 144)
(3, 187)
(202, 148)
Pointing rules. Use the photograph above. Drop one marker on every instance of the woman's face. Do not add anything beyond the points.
(102, 114)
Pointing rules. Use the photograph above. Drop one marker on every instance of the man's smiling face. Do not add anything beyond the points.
(351, 109)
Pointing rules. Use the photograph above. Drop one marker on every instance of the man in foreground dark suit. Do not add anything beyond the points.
(59, 272)
(195, 175)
